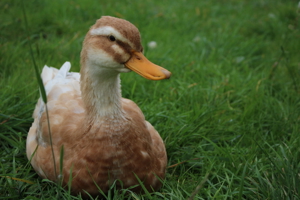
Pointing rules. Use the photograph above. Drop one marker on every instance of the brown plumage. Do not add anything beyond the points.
(105, 136)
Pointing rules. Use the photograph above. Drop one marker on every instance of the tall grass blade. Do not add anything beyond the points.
(198, 187)
(37, 73)
(99, 189)
(40, 83)
(143, 187)
(242, 181)
(70, 179)
(61, 164)
(18, 179)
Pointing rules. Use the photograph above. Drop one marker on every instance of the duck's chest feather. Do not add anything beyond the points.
(102, 152)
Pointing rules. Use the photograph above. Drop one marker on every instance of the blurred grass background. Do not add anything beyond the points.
(231, 108)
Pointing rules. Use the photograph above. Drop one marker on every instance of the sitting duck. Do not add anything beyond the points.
(105, 137)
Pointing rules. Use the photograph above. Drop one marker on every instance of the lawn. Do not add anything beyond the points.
(229, 115)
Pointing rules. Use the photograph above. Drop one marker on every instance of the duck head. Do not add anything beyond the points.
(114, 44)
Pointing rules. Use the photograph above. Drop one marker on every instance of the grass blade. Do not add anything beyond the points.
(61, 164)
(41, 85)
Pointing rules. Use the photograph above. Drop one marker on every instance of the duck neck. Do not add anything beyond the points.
(101, 93)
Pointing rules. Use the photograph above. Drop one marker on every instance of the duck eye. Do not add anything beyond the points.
(112, 38)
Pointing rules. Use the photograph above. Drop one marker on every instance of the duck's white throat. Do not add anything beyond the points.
(101, 92)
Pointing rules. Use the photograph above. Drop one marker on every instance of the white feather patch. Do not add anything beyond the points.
(118, 49)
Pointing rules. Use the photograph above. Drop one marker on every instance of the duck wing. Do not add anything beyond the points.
(65, 112)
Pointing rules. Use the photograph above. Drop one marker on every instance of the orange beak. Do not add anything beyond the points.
(141, 65)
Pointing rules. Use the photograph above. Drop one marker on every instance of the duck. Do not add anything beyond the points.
(105, 138)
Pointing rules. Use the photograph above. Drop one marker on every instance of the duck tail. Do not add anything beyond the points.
(64, 70)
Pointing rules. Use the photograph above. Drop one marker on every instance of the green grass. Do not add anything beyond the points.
(231, 108)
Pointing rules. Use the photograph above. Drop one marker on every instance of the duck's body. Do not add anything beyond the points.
(105, 137)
